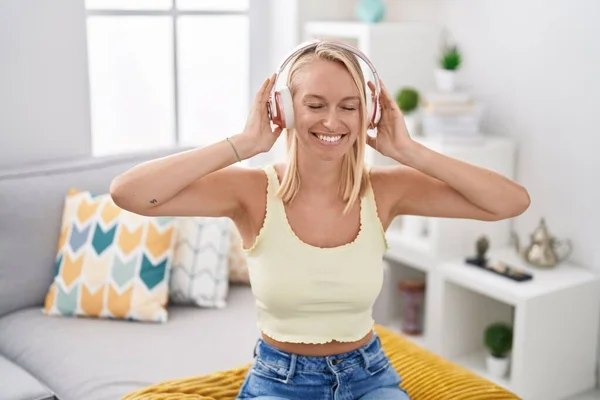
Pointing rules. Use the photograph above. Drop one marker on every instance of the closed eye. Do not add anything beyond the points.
(315, 107)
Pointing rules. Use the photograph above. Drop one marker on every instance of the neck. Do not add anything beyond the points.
(320, 176)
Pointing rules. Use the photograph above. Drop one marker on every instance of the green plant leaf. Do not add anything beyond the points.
(407, 99)
(451, 59)
(498, 338)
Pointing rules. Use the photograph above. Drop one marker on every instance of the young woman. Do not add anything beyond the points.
(314, 227)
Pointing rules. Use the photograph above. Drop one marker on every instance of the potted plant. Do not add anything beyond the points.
(449, 64)
(407, 99)
(498, 338)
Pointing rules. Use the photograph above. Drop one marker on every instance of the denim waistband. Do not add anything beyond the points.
(366, 354)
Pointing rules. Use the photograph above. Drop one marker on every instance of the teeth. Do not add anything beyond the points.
(329, 138)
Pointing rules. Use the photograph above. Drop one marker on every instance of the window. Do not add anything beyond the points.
(169, 73)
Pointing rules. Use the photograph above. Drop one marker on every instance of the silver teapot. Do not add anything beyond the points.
(544, 250)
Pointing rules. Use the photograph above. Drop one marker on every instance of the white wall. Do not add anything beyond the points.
(44, 106)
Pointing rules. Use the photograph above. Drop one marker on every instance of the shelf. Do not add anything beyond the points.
(544, 280)
(449, 145)
(475, 362)
(558, 309)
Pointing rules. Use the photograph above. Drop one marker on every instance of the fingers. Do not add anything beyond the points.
(272, 82)
(260, 91)
(386, 100)
(371, 86)
(268, 87)
(262, 94)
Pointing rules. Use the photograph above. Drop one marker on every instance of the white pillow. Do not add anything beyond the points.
(200, 273)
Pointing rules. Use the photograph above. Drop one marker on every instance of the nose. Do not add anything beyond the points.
(331, 121)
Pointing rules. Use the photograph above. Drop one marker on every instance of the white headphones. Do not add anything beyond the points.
(280, 106)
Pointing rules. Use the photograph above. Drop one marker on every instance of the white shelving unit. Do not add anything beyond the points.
(556, 316)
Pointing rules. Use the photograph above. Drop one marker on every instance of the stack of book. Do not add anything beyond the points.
(451, 116)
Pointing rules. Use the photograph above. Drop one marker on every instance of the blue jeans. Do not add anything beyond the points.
(362, 374)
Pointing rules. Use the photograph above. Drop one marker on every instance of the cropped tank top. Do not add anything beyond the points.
(310, 294)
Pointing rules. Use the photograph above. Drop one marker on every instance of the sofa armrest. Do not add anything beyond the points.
(18, 384)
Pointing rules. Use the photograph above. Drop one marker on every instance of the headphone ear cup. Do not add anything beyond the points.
(273, 110)
(376, 113)
(286, 107)
(369, 107)
(373, 111)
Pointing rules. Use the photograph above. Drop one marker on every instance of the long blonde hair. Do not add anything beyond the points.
(354, 175)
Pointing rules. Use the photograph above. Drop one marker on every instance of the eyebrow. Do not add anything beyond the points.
(323, 98)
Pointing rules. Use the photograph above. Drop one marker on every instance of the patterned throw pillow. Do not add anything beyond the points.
(111, 263)
(238, 266)
(200, 271)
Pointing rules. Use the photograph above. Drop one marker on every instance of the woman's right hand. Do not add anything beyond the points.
(258, 127)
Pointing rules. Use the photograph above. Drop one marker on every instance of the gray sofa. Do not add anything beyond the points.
(93, 359)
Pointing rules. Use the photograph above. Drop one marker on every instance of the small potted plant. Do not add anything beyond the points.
(498, 339)
(449, 64)
(407, 99)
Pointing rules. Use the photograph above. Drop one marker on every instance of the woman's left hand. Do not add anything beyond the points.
(392, 139)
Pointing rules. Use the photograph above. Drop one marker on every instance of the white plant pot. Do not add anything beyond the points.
(412, 122)
(497, 367)
(445, 80)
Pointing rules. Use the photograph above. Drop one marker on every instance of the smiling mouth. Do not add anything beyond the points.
(328, 138)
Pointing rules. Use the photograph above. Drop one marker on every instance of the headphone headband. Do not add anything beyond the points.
(313, 43)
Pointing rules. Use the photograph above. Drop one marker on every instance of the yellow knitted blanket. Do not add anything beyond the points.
(425, 375)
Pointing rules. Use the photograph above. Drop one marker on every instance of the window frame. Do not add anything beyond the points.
(258, 20)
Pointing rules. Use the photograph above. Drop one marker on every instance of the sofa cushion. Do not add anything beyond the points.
(99, 359)
(111, 263)
(200, 269)
(18, 384)
(31, 204)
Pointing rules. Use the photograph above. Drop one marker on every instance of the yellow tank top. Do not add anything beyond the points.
(310, 294)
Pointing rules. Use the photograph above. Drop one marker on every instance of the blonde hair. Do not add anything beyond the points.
(354, 175)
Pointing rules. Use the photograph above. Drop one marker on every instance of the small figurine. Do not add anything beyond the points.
(481, 246)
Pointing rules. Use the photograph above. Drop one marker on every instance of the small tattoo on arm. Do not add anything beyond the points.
(153, 201)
